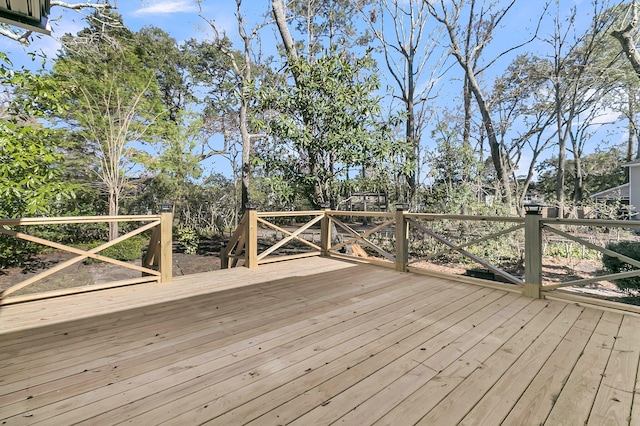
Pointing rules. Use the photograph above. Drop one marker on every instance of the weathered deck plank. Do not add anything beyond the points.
(315, 341)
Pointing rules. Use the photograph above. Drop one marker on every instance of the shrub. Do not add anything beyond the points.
(569, 250)
(188, 238)
(614, 265)
(15, 252)
(126, 251)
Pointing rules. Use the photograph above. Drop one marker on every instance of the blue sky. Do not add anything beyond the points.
(180, 19)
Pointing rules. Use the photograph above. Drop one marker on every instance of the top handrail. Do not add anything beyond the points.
(291, 213)
(592, 222)
(359, 213)
(78, 219)
(436, 216)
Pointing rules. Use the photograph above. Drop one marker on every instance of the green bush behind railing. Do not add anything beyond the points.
(614, 265)
(126, 251)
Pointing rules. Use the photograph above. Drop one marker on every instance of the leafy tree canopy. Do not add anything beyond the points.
(329, 121)
(31, 163)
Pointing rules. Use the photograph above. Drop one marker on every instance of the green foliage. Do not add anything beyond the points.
(326, 123)
(273, 192)
(15, 252)
(31, 162)
(160, 52)
(126, 251)
(31, 158)
(614, 265)
(208, 206)
(569, 250)
(601, 170)
(188, 238)
(505, 250)
(113, 106)
(328, 23)
(30, 171)
(458, 179)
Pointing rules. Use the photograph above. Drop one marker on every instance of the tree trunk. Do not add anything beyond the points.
(562, 142)
(578, 183)
(412, 142)
(466, 130)
(281, 21)
(633, 126)
(114, 201)
(494, 145)
(246, 152)
(244, 102)
(625, 37)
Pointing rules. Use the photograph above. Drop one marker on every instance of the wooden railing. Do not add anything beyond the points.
(401, 229)
(551, 225)
(417, 222)
(244, 240)
(156, 263)
(388, 221)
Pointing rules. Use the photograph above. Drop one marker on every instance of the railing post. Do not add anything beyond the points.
(165, 262)
(251, 245)
(402, 238)
(224, 259)
(325, 233)
(532, 252)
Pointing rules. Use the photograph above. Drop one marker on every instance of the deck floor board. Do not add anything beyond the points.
(315, 341)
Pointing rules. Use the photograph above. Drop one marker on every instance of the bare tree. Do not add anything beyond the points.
(410, 52)
(578, 82)
(525, 115)
(111, 122)
(626, 36)
(113, 101)
(466, 50)
(242, 69)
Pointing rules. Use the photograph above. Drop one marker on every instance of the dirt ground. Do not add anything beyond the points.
(80, 274)
(556, 270)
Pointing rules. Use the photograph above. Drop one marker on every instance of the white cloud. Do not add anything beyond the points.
(166, 7)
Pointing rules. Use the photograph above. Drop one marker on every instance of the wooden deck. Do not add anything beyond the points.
(313, 342)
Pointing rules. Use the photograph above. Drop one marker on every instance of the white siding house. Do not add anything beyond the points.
(628, 192)
(634, 186)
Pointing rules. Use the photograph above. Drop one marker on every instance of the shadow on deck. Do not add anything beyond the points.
(315, 341)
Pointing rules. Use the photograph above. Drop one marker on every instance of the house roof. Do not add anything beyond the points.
(632, 163)
(620, 192)
(30, 14)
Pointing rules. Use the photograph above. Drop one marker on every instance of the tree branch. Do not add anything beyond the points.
(80, 6)
(625, 37)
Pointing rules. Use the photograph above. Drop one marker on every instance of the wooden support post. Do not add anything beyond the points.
(251, 247)
(165, 262)
(224, 259)
(325, 233)
(532, 254)
(402, 239)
